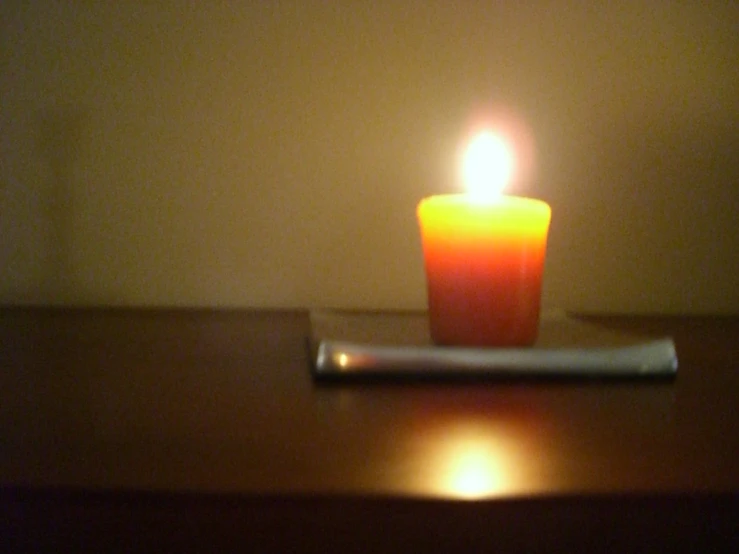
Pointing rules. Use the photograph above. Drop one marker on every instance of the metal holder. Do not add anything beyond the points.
(355, 346)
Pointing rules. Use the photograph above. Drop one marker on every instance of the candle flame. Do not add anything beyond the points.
(487, 165)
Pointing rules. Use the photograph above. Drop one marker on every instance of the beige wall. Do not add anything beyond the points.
(272, 153)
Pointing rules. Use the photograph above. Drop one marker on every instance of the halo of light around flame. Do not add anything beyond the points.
(487, 165)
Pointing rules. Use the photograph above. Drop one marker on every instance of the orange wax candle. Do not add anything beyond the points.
(484, 261)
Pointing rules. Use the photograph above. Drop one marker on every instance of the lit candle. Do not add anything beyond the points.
(484, 254)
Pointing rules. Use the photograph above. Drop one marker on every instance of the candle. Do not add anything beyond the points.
(484, 254)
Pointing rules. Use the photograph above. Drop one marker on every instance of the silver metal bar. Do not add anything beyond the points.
(651, 359)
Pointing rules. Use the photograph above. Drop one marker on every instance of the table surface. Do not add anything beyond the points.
(209, 401)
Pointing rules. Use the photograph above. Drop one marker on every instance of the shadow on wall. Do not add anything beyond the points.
(662, 203)
(61, 131)
(42, 233)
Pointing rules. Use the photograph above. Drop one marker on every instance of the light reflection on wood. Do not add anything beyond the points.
(471, 461)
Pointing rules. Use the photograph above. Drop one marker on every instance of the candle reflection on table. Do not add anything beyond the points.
(429, 449)
(471, 461)
(474, 470)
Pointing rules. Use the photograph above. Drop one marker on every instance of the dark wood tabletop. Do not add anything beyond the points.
(143, 428)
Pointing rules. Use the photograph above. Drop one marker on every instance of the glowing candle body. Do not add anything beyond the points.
(484, 262)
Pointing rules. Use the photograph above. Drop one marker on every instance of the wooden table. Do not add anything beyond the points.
(202, 429)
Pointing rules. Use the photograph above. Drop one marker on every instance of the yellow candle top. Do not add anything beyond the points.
(510, 215)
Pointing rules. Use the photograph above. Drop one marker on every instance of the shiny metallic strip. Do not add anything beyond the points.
(651, 359)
